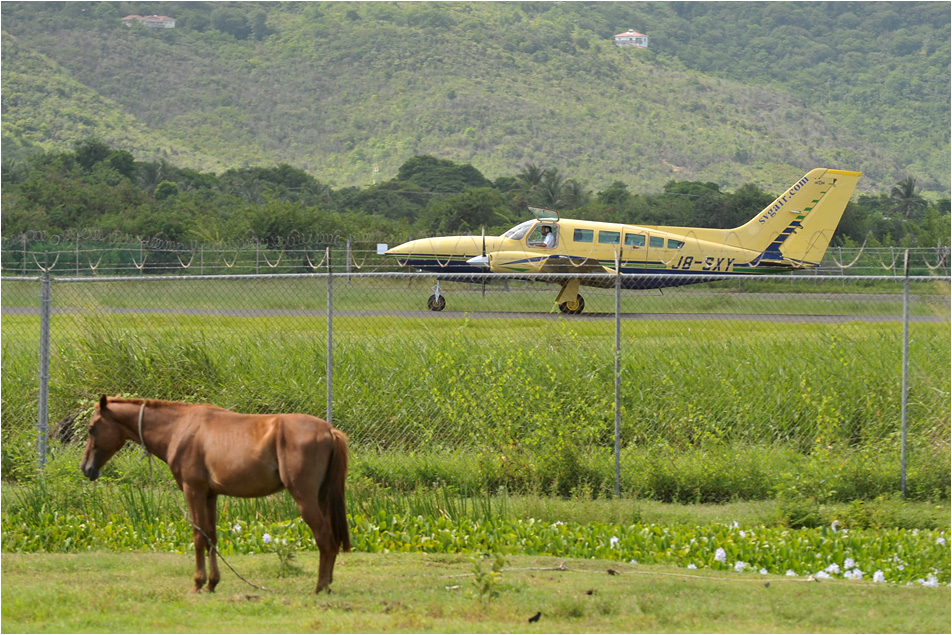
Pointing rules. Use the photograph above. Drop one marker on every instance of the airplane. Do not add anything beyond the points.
(793, 232)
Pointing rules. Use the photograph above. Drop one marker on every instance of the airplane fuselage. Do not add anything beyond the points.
(793, 232)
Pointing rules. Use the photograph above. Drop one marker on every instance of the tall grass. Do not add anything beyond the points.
(711, 410)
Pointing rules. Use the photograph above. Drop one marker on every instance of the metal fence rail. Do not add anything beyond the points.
(501, 380)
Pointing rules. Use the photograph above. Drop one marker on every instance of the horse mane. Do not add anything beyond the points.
(138, 401)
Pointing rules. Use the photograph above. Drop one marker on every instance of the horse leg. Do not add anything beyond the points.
(198, 511)
(323, 536)
(211, 517)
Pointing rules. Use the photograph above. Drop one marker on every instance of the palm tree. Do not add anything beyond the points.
(905, 195)
(575, 194)
(531, 177)
(552, 188)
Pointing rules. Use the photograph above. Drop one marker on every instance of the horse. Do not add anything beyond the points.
(212, 451)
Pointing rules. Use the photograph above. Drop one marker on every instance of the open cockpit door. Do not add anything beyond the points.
(545, 215)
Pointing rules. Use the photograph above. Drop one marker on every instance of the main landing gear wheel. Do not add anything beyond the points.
(436, 304)
(573, 308)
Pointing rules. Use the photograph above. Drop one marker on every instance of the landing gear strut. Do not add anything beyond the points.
(570, 301)
(436, 302)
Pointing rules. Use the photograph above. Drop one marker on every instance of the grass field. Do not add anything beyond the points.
(488, 434)
(147, 592)
(711, 409)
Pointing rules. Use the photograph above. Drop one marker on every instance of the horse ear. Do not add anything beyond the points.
(103, 402)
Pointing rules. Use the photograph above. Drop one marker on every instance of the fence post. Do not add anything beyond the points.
(617, 374)
(348, 257)
(330, 338)
(42, 423)
(905, 368)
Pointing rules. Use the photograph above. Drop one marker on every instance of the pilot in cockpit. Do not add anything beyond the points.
(547, 238)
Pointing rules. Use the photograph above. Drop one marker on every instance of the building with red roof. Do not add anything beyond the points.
(632, 38)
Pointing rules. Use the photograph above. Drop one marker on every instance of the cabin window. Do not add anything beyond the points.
(609, 238)
(634, 240)
(584, 235)
(675, 244)
(656, 242)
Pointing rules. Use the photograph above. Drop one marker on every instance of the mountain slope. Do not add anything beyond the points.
(339, 88)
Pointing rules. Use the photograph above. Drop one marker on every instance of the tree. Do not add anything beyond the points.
(233, 21)
(615, 195)
(440, 175)
(908, 201)
(91, 152)
(165, 190)
(471, 211)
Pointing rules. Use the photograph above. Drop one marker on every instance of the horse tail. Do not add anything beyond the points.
(331, 497)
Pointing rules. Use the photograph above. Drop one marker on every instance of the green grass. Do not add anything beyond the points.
(711, 410)
(146, 592)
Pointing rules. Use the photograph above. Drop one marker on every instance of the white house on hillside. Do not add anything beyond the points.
(151, 21)
(632, 38)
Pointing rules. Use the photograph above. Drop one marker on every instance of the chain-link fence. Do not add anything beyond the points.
(730, 378)
(68, 255)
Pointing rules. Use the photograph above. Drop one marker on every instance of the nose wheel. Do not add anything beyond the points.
(436, 303)
(573, 307)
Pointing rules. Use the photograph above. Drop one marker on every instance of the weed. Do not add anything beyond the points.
(486, 583)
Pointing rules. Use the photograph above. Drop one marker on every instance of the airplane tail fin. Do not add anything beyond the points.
(796, 229)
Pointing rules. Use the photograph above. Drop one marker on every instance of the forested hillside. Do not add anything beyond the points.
(727, 93)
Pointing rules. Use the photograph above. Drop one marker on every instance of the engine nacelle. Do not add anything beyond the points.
(517, 261)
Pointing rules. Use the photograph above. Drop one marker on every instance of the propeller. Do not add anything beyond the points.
(483, 228)
(481, 260)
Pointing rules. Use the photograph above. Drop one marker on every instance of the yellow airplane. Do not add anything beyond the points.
(793, 232)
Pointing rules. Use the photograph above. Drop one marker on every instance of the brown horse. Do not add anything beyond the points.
(212, 452)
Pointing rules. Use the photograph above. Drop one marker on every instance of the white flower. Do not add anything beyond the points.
(823, 575)
(930, 581)
(236, 529)
(849, 563)
(735, 525)
(740, 566)
(940, 541)
(720, 555)
(692, 566)
(633, 561)
(854, 574)
(791, 573)
(266, 539)
(879, 576)
(557, 523)
(833, 569)
(613, 541)
(743, 534)
(763, 572)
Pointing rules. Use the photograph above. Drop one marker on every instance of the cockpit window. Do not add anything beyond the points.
(517, 232)
(538, 237)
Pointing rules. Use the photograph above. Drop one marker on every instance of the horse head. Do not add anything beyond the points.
(106, 437)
